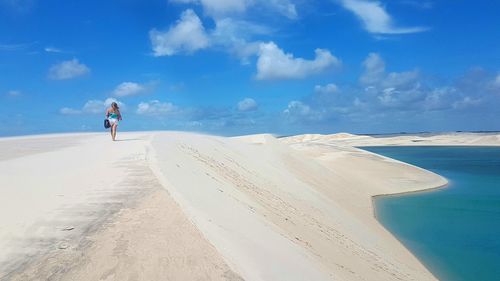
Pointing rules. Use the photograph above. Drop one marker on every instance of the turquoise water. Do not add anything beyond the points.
(454, 231)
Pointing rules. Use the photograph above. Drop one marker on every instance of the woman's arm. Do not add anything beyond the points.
(119, 116)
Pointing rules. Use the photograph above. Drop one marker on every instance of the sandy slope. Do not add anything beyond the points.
(79, 207)
(282, 213)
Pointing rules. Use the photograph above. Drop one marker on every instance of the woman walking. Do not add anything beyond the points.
(114, 116)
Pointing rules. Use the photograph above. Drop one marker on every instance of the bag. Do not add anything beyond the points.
(106, 124)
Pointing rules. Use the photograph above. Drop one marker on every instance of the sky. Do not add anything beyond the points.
(234, 67)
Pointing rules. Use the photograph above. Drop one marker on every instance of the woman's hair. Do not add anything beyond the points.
(114, 105)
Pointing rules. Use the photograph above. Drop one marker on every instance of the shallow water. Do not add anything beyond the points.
(454, 231)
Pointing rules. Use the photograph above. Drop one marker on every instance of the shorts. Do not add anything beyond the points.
(113, 121)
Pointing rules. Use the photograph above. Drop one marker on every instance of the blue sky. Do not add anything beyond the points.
(233, 67)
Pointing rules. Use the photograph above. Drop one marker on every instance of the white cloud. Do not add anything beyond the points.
(496, 82)
(466, 102)
(244, 51)
(92, 107)
(274, 63)
(14, 47)
(439, 98)
(375, 18)
(400, 79)
(128, 89)
(387, 97)
(186, 36)
(68, 70)
(217, 8)
(155, 107)
(185, 1)
(232, 31)
(223, 8)
(52, 50)
(406, 91)
(374, 74)
(283, 7)
(374, 69)
(298, 107)
(327, 89)
(99, 106)
(69, 111)
(298, 111)
(189, 35)
(247, 104)
(236, 36)
(14, 93)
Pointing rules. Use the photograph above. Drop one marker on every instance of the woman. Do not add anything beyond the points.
(113, 115)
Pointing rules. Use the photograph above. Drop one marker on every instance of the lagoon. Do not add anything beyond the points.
(455, 230)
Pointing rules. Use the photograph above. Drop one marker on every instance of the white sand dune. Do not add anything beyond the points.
(80, 207)
(183, 206)
(449, 139)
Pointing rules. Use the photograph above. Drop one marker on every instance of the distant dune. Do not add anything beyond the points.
(184, 206)
(480, 139)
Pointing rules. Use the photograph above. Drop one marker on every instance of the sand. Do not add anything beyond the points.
(79, 207)
(425, 139)
(185, 206)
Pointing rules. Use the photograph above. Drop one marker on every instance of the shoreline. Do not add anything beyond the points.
(404, 193)
(464, 211)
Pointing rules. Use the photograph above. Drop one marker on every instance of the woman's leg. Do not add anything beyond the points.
(111, 131)
(114, 131)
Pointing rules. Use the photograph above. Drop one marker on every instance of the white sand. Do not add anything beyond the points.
(448, 139)
(80, 207)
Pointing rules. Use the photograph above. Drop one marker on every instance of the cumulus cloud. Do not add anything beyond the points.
(375, 18)
(284, 7)
(247, 104)
(186, 36)
(92, 107)
(298, 111)
(374, 69)
(374, 74)
(155, 107)
(128, 89)
(394, 89)
(327, 89)
(273, 63)
(236, 37)
(297, 107)
(233, 32)
(68, 70)
(392, 97)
